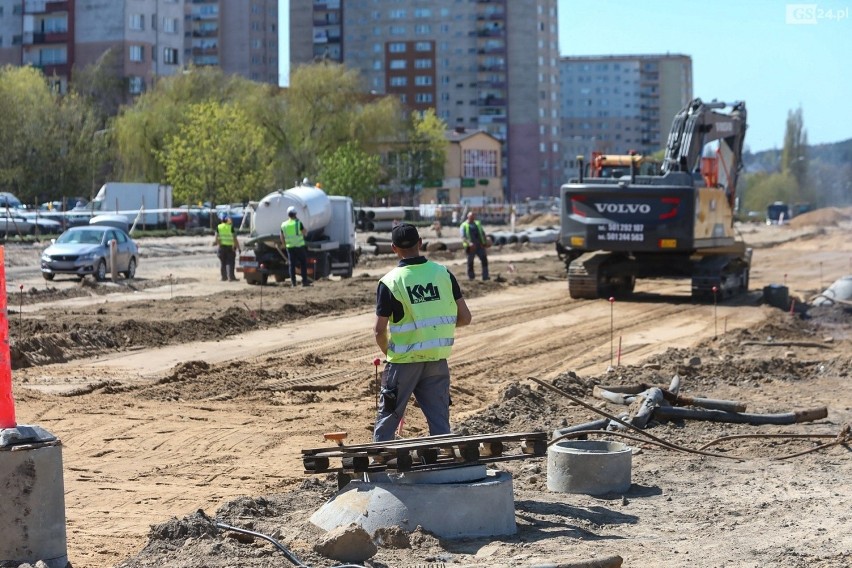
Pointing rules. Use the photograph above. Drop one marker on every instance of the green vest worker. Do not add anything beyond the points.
(418, 306)
(293, 238)
(475, 244)
(226, 240)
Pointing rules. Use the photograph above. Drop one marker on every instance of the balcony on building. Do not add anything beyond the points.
(45, 6)
(39, 38)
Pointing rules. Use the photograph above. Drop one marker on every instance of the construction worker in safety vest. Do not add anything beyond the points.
(293, 238)
(229, 246)
(475, 242)
(419, 305)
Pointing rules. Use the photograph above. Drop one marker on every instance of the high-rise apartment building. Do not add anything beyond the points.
(487, 65)
(239, 36)
(58, 36)
(617, 103)
(152, 38)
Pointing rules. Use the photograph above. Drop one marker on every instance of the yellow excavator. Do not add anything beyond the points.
(675, 222)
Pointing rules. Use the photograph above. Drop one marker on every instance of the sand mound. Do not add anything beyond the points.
(538, 219)
(821, 217)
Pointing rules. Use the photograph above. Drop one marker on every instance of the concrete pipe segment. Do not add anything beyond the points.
(449, 507)
(32, 507)
(589, 467)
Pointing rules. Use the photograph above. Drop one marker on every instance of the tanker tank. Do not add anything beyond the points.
(313, 209)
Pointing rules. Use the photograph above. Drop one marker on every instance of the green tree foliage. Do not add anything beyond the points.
(324, 108)
(420, 153)
(101, 86)
(44, 137)
(761, 189)
(216, 155)
(794, 155)
(141, 131)
(348, 170)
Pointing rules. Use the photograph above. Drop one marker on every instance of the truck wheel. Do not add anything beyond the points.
(48, 276)
(100, 271)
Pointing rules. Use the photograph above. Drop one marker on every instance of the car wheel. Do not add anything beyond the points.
(100, 271)
(48, 276)
(131, 269)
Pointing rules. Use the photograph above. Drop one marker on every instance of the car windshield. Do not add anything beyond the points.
(81, 237)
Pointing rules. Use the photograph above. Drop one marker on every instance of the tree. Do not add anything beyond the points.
(325, 107)
(45, 137)
(421, 154)
(348, 170)
(141, 130)
(101, 86)
(217, 155)
(761, 189)
(794, 155)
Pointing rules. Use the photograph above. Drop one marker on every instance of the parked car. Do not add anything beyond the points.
(185, 218)
(9, 200)
(21, 222)
(85, 250)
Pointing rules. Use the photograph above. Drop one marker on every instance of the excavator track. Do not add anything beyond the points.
(583, 275)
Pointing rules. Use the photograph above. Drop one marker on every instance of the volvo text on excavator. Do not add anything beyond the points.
(675, 223)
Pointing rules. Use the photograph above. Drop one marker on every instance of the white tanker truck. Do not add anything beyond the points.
(329, 221)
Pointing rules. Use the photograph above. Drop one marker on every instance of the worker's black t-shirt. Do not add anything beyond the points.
(389, 307)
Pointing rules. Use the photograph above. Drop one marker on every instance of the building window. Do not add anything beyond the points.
(137, 22)
(397, 64)
(422, 12)
(396, 15)
(423, 97)
(423, 64)
(422, 29)
(397, 30)
(170, 25)
(136, 53)
(170, 56)
(135, 85)
(398, 81)
(423, 46)
(479, 163)
(423, 80)
(396, 47)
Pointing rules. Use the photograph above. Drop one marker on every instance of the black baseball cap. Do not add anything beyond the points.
(405, 236)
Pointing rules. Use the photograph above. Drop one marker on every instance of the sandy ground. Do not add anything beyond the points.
(176, 393)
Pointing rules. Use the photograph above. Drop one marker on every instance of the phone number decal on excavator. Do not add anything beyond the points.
(629, 232)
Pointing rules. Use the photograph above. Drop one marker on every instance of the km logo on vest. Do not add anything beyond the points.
(419, 293)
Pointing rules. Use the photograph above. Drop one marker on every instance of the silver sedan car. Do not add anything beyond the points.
(85, 250)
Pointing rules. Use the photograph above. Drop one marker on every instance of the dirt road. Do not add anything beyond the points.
(182, 393)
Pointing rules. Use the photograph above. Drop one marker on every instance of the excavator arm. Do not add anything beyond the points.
(699, 124)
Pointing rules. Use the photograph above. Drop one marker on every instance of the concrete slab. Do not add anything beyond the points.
(448, 510)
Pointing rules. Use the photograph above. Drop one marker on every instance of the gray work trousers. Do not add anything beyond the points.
(429, 383)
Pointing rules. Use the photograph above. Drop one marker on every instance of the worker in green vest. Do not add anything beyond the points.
(293, 238)
(419, 305)
(475, 243)
(229, 246)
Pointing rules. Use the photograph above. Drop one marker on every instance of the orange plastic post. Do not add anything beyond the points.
(7, 403)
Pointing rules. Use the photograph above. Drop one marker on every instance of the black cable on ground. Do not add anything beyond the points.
(289, 555)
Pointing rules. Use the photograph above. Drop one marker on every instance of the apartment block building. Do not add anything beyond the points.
(489, 65)
(58, 35)
(617, 103)
(239, 36)
(153, 38)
